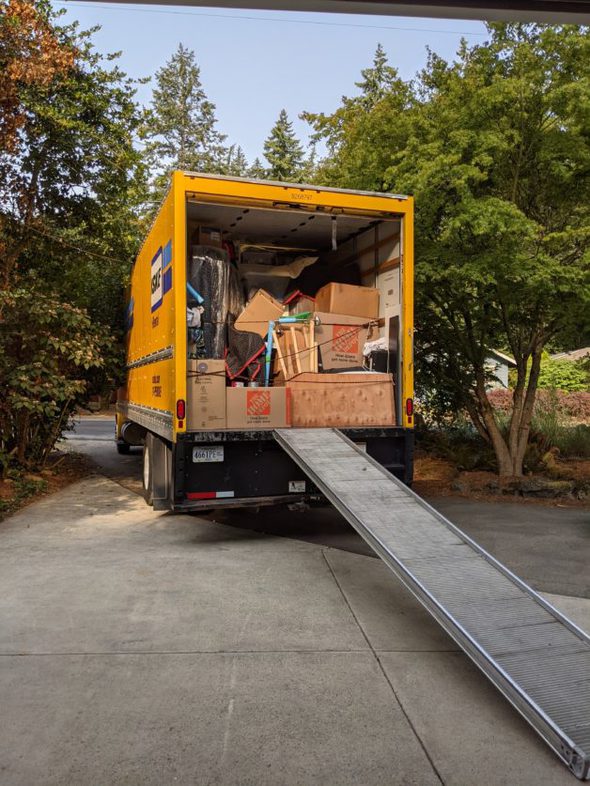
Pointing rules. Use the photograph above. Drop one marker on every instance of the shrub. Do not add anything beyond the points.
(571, 405)
(46, 347)
(565, 375)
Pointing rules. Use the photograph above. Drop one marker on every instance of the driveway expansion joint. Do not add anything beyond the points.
(375, 654)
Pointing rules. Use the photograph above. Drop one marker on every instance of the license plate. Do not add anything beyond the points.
(207, 455)
(296, 486)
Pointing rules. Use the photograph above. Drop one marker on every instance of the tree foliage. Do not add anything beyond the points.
(283, 151)
(46, 346)
(563, 374)
(181, 128)
(70, 191)
(496, 148)
(236, 163)
(258, 171)
(30, 54)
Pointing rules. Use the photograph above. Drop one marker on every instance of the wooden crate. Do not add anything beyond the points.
(296, 350)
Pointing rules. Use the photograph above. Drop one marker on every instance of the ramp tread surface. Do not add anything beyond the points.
(538, 659)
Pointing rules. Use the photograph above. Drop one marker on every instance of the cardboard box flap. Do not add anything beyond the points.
(258, 312)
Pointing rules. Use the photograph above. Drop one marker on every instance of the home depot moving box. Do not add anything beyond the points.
(258, 312)
(348, 299)
(341, 339)
(205, 394)
(258, 408)
(342, 400)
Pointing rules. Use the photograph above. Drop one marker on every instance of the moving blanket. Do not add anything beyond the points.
(215, 279)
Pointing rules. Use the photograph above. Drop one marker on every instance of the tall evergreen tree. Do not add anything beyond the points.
(376, 81)
(283, 151)
(236, 163)
(257, 170)
(181, 125)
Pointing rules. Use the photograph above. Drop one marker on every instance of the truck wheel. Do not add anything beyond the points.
(147, 473)
(123, 448)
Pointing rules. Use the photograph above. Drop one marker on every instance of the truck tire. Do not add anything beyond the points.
(148, 469)
(123, 448)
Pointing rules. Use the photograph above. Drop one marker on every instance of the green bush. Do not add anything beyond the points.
(46, 349)
(563, 375)
(568, 376)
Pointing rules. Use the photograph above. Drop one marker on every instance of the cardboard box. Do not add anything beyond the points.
(299, 303)
(342, 400)
(341, 339)
(258, 312)
(207, 236)
(258, 408)
(205, 394)
(303, 305)
(348, 299)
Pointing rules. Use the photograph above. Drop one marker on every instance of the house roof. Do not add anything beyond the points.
(509, 361)
(574, 354)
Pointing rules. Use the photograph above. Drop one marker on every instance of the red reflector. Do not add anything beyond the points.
(201, 495)
(409, 407)
(180, 409)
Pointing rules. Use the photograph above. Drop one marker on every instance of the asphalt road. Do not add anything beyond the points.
(549, 547)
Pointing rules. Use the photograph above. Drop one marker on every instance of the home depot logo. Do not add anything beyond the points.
(258, 403)
(345, 339)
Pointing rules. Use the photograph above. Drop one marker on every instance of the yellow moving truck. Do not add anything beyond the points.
(255, 305)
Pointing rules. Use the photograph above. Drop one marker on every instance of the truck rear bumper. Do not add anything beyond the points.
(190, 506)
(240, 468)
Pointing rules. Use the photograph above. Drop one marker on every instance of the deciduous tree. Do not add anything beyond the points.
(496, 148)
(30, 54)
(70, 193)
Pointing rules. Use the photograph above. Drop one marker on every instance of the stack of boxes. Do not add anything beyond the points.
(344, 318)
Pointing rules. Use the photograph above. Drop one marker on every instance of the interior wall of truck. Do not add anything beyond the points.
(291, 252)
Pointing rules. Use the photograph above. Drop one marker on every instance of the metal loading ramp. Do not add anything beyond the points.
(534, 655)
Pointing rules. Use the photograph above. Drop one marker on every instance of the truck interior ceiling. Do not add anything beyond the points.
(289, 252)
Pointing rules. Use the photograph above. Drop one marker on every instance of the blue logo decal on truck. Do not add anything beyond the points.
(161, 278)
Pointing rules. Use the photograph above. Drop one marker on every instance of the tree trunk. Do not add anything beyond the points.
(510, 449)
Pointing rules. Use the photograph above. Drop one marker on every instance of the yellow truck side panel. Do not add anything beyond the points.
(155, 342)
(407, 381)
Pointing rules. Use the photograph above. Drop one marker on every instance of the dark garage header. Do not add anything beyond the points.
(550, 11)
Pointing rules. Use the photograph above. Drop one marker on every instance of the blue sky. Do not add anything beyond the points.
(254, 63)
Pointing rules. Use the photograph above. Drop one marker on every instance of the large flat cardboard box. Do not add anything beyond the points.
(258, 408)
(207, 236)
(341, 339)
(258, 312)
(205, 394)
(348, 299)
(350, 400)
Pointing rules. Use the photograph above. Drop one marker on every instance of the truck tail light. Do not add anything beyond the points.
(409, 408)
(180, 409)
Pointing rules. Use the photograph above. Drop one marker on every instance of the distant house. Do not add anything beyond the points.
(575, 354)
(499, 364)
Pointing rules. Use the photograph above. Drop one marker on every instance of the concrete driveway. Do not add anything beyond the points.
(147, 648)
